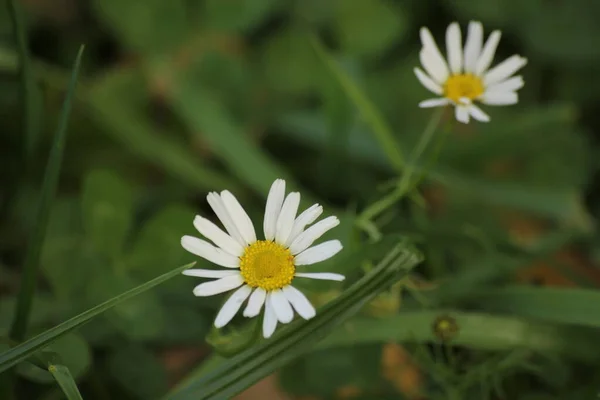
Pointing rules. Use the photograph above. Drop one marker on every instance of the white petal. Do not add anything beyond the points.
(306, 238)
(218, 207)
(257, 299)
(307, 217)
(462, 114)
(219, 286)
(432, 59)
(273, 208)
(503, 70)
(239, 216)
(209, 252)
(217, 236)
(270, 319)
(500, 98)
(478, 113)
(232, 306)
(327, 276)
(487, 54)
(436, 70)
(210, 273)
(318, 253)
(299, 301)
(473, 45)
(509, 85)
(434, 102)
(285, 222)
(281, 306)
(426, 81)
(454, 48)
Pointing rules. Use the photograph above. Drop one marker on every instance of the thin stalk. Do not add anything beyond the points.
(18, 329)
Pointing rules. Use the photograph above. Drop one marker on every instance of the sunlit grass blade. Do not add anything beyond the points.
(475, 330)
(370, 113)
(49, 185)
(65, 381)
(561, 305)
(19, 353)
(114, 105)
(29, 90)
(226, 138)
(241, 371)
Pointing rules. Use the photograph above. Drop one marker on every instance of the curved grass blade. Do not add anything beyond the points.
(202, 114)
(113, 104)
(65, 381)
(370, 113)
(19, 353)
(475, 330)
(560, 305)
(50, 361)
(30, 91)
(30, 269)
(241, 371)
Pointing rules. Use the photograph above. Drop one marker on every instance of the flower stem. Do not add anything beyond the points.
(405, 184)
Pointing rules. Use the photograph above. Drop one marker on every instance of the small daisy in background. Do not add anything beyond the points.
(466, 77)
(262, 271)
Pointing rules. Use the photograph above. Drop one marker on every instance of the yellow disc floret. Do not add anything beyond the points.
(464, 85)
(267, 265)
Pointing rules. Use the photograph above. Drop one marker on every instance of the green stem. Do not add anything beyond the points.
(30, 269)
(29, 93)
(405, 184)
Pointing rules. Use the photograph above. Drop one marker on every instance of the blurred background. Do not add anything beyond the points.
(180, 97)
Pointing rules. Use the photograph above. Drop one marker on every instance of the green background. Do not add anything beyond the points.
(177, 98)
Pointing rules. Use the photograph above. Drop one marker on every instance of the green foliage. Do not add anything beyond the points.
(183, 97)
(107, 204)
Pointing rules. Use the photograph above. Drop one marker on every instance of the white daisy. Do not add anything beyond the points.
(466, 76)
(262, 270)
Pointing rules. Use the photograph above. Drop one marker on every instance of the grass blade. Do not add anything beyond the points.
(370, 113)
(30, 91)
(241, 371)
(19, 353)
(227, 140)
(30, 272)
(560, 305)
(475, 330)
(65, 381)
(113, 104)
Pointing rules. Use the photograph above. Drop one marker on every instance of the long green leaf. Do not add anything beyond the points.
(370, 113)
(30, 269)
(241, 371)
(243, 157)
(561, 305)
(475, 330)
(114, 105)
(30, 90)
(26, 349)
(65, 381)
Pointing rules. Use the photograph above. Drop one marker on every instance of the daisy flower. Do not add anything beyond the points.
(262, 271)
(466, 77)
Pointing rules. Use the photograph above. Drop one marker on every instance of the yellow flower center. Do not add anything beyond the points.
(463, 85)
(268, 265)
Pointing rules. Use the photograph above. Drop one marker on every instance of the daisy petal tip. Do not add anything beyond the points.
(218, 324)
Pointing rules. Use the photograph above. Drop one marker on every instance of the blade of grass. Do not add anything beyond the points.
(561, 305)
(370, 113)
(30, 91)
(475, 330)
(19, 353)
(227, 139)
(65, 381)
(241, 371)
(30, 270)
(114, 106)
